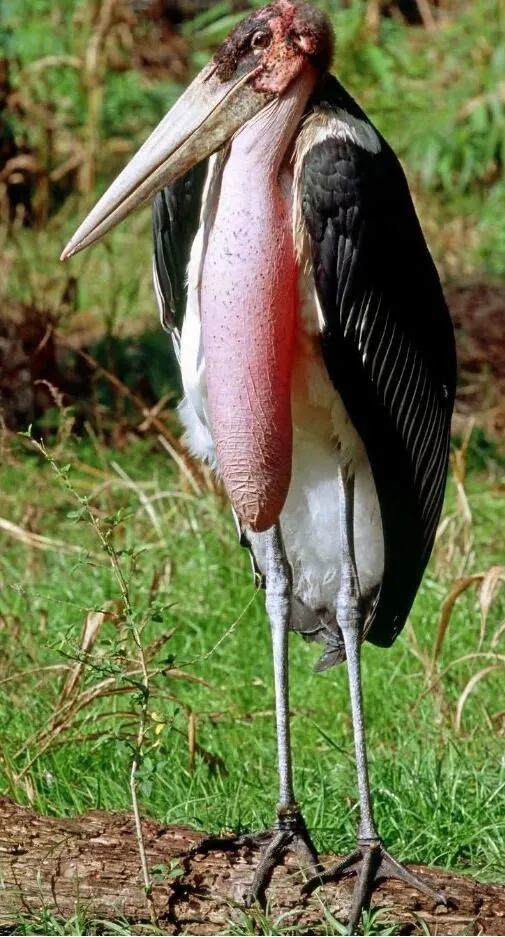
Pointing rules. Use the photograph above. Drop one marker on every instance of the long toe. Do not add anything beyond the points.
(307, 856)
(364, 887)
(371, 864)
(295, 839)
(390, 868)
(345, 866)
(272, 855)
(230, 843)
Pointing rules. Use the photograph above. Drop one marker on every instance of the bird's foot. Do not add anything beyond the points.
(371, 863)
(290, 834)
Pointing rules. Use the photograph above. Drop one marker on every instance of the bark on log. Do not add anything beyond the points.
(90, 863)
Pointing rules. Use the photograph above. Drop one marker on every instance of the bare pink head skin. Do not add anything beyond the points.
(250, 98)
(250, 274)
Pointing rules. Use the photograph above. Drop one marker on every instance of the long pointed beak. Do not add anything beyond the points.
(205, 117)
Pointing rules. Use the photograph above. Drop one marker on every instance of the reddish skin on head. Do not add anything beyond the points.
(281, 39)
(249, 276)
(300, 35)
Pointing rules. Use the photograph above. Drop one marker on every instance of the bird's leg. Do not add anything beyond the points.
(278, 606)
(370, 861)
(290, 830)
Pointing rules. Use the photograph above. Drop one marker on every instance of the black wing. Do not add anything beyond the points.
(176, 215)
(387, 339)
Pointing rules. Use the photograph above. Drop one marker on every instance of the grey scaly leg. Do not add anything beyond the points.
(290, 831)
(278, 607)
(350, 619)
(369, 861)
(290, 828)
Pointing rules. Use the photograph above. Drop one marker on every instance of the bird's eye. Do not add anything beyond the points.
(260, 40)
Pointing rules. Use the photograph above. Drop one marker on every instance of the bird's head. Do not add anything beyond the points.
(253, 68)
(275, 44)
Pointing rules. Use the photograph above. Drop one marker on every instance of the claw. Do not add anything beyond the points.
(272, 855)
(290, 835)
(371, 863)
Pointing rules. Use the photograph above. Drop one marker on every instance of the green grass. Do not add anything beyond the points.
(438, 795)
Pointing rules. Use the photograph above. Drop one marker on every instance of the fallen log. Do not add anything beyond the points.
(90, 864)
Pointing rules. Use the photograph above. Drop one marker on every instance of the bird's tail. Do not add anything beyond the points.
(321, 627)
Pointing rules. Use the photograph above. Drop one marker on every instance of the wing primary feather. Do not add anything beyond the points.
(386, 334)
(175, 221)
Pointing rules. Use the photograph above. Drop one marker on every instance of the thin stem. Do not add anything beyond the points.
(108, 548)
(136, 761)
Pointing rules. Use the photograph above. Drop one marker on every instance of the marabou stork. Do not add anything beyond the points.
(316, 354)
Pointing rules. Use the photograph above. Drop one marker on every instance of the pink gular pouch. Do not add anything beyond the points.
(248, 303)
